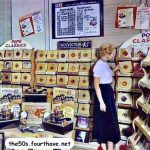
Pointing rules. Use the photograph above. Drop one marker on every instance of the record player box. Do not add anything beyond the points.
(58, 128)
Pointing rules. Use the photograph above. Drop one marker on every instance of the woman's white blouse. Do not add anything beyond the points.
(102, 70)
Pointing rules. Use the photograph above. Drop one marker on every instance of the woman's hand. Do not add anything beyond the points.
(116, 68)
(102, 106)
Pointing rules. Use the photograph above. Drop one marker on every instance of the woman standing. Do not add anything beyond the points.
(105, 120)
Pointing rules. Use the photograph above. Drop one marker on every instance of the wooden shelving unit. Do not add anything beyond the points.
(141, 122)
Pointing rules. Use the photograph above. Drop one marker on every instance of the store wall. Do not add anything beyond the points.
(44, 40)
(5, 21)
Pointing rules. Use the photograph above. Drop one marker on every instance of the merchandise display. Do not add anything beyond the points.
(58, 93)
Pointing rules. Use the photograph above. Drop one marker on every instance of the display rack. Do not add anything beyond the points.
(141, 137)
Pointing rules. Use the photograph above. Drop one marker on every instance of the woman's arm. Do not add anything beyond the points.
(116, 68)
(99, 94)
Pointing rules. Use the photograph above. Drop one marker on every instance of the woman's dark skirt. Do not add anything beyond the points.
(105, 124)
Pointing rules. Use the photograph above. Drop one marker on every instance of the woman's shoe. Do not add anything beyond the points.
(99, 148)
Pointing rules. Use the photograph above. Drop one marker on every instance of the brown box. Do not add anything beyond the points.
(58, 128)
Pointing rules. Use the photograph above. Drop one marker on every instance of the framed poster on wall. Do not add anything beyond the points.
(77, 19)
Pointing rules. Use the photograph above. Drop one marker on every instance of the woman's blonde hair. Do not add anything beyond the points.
(106, 48)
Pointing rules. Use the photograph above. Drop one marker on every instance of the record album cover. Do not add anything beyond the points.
(16, 65)
(50, 80)
(124, 84)
(95, 54)
(84, 96)
(85, 55)
(73, 81)
(83, 122)
(2, 54)
(1, 65)
(124, 98)
(137, 69)
(52, 55)
(84, 82)
(6, 77)
(40, 79)
(41, 55)
(82, 136)
(50, 93)
(125, 67)
(73, 68)
(62, 80)
(73, 55)
(25, 78)
(139, 53)
(84, 109)
(63, 55)
(27, 53)
(8, 54)
(26, 66)
(51, 68)
(85, 69)
(16, 78)
(135, 83)
(63, 100)
(125, 131)
(124, 53)
(18, 54)
(124, 116)
(63, 67)
(7, 66)
(41, 68)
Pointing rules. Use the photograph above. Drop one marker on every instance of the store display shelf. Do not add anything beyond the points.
(124, 75)
(123, 59)
(146, 63)
(132, 144)
(82, 115)
(126, 106)
(125, 123)
(3, 121)
(91, 146)
(143, 128)
(145, 108)
(136, 59)
(125, 90)
(144, 84)
(136, 91)
(85, 102)
(84, 129)
(137, 75)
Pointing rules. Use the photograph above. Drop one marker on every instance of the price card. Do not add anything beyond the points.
(35, 111)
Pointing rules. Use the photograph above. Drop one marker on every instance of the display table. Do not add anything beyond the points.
(15, 132)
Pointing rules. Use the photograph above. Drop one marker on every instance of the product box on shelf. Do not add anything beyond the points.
(58, 128)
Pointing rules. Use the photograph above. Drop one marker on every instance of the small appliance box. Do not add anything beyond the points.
(58, 128)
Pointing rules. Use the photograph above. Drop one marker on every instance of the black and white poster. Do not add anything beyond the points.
(77, 19)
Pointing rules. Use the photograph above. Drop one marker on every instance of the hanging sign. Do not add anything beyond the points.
(65, 45)
(77, 19)
(31, 24)
(15, 44)
(125, 16)
(137, 46)
(142, 18)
